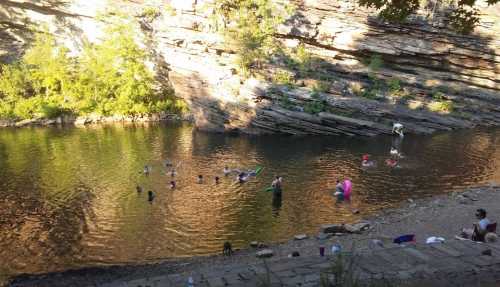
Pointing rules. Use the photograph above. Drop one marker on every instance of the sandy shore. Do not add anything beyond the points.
(442, 215)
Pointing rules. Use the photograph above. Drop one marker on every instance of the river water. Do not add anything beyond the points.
(68, 195)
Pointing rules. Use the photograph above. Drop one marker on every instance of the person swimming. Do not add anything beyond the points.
(151, 196)
(216, 180)
(226, 171)
(390, 162)
(168, 163)
(366, 162)
(172, 184)
(242, 177)
(200, 179)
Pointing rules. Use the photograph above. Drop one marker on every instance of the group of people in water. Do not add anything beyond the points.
(242, 176)
(342, 189)
(395, 153)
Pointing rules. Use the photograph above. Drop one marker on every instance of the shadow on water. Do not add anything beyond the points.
(68, 198)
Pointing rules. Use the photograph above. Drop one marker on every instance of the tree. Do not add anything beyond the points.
(463, 18)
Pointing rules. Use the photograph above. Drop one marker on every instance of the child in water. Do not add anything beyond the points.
(366, 162)
(339, 190)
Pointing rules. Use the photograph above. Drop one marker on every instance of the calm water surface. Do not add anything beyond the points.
(68, 199)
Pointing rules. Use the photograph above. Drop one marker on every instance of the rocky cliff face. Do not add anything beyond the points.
(431, 65)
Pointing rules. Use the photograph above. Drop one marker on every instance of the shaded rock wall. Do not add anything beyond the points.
(341, 37)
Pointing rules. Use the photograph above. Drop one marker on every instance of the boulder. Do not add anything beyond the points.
(266, 253)
(300, 237)
(358, 227)
(333, 228)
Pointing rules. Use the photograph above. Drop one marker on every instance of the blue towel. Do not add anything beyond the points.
(405, 238)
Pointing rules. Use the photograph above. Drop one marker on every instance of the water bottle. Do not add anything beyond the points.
(190, 282)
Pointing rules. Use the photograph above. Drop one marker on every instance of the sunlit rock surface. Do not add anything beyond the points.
(190, 55)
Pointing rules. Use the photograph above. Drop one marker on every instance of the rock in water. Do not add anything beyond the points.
(333, 228)
(300, 237)
(266, 253)
(358, 227)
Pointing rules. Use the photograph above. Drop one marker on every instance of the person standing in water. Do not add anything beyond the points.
(397, 128)
(226, 171)
(276, 185)
(200, 179)
(339, 190)
(216, 180)
(172, 184)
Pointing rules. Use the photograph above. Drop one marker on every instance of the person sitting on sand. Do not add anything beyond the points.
(200, 179)
(172, 185)
(226, 171)
(479, 229)
(339, 190)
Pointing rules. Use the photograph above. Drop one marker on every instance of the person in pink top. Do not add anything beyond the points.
(347, 188)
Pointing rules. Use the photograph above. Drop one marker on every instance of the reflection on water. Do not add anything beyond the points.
(68, 198)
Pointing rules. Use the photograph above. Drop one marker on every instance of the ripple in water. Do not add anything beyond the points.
(68, 199)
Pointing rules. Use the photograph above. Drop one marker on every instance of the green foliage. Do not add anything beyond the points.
(249, 26)
(463, 19)
(321, 87)
(170, 10)
(282, 77)
(316, 106)
(443, 106)
(150, 13)
(440, 102)
(375, 63)
(107, 78)
(394, 85)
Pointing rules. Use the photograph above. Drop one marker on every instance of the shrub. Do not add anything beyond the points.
(282, 77)
(249, 26)
(441, 106)
(107, 78)
(150, 13)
